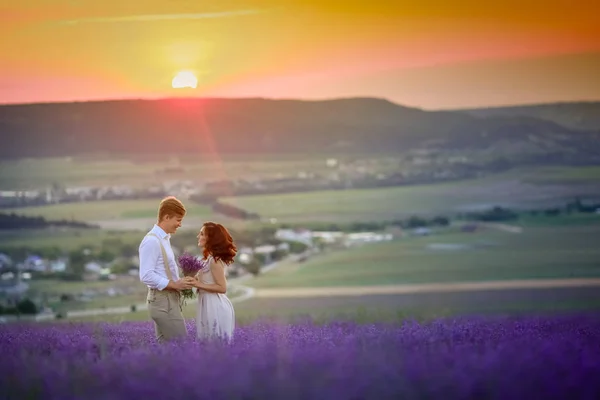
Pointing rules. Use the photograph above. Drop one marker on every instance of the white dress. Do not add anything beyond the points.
(214, 315)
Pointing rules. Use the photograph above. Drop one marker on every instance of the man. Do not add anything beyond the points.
(160, 273)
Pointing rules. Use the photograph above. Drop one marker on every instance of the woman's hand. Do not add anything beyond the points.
(198, 284)
(191, 280)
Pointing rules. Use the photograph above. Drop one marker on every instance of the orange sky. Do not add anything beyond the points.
(436, 54)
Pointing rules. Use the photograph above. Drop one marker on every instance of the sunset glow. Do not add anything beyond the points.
(184, 79)
(433, 55)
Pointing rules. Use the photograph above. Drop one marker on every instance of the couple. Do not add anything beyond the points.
(158, 270)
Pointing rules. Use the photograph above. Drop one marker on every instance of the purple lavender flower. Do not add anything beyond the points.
(461, 358)
(189, 264)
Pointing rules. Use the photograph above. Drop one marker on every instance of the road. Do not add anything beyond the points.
(426, 288)
(245, 294)
(434, 303)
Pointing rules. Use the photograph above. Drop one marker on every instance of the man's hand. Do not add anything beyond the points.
(190, 280)
(181, 284)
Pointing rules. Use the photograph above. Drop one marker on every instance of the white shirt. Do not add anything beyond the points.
(152, 266)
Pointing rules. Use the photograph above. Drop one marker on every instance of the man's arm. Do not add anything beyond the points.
(182, 284)
(149, 252)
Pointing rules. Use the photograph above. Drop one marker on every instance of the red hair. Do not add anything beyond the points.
(219, 243)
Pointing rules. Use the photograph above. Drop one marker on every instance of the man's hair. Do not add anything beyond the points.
(170, 206)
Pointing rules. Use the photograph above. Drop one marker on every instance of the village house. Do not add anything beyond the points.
(5, 261)
(358, 238)
(328, 237)
(295, 235)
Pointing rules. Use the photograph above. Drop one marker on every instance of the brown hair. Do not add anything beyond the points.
(170, 206)
(219, 243)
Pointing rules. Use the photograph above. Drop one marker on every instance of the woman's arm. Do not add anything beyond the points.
(217, 269)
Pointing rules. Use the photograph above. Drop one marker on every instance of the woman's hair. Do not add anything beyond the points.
(219, 243)
(170, 206)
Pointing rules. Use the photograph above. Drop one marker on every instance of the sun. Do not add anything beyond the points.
(184, 79)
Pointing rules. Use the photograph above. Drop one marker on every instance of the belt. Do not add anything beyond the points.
(152, 290)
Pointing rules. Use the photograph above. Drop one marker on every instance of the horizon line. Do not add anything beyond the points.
(167, 98)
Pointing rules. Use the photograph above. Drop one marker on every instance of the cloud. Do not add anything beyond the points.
(162, 17)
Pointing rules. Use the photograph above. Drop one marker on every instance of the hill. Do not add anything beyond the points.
(577, 115)
(262, 126)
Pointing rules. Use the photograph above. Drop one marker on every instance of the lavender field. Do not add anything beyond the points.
(460, 358)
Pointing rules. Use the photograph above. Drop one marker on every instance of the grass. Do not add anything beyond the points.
(347, 205)
(385, 308)
(142, 172)
(573, 219)
(505, 189)
(540, 253)
(55, 286)
(399, 202)
(125, 300)
(564, 175)
(105, 210)
(65, 239)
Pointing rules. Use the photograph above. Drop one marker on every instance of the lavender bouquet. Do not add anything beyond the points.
(190, 265)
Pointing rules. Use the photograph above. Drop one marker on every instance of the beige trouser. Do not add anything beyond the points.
(165, 310)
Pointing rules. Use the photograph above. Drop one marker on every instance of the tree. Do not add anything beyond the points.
(184, 239)
(552, 212)
(259, 258)
(365, 226)
(112, 243)
(122, 267)
(129, 250)
(441, 221)
(27, 306)
(51, 253)
(253, 267)
(416, 222)
(77, 261)
(279, 254)
(297, 247)
(495, 214)
(106, 256)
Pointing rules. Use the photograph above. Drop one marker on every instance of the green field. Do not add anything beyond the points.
(561, 251)
(537, 253)
(539, 187)
(384, 308)
(398, 202)
(105, 210)
(563, 175)
(573, 219)
(53, 288)
(57, 287)
(65, 239)
(141, 172)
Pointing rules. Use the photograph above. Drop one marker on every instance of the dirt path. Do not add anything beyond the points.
(503, 227)
(425, 288)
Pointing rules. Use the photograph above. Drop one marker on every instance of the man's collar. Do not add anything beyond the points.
(160, 232)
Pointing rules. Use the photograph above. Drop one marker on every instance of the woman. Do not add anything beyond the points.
(215, 316)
